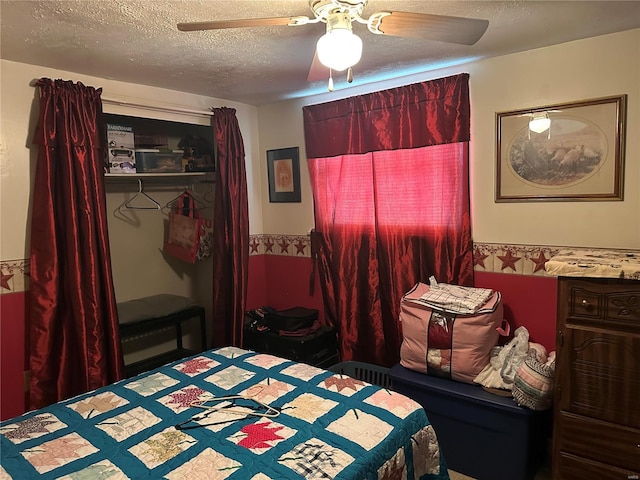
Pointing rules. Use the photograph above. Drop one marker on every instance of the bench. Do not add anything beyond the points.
(157, 312)
(483, 435)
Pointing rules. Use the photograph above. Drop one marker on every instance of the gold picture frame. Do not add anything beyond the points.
(579, 156)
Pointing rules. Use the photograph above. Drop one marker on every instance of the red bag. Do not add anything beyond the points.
(190, 236)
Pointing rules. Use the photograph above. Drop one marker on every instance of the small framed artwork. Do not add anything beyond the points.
(563, 152)
(283, 168)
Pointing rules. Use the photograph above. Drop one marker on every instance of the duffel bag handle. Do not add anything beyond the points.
(505, 329)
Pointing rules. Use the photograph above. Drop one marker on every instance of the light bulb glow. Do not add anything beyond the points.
(339, 49)
(539, 122)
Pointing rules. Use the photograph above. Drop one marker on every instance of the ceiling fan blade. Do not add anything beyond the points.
(442, 28)
(318, 71)
(249, 22)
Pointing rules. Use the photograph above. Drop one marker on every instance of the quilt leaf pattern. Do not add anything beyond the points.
(166, 445)
(155, 382)
(268, 391)
(395, 403)
(230, 377)
(196, 365)
(316, 459)
(58, 452)
(162, 447)
(302, 371)
(426, 452)
(226, 414)
(30, 428)
(308, 407)
(207, 465)
(259, 435)
(128, 423)
(185, 397)
(361, 428)
(343, 382)
(395, 468)
(98, 471)
(98, 404)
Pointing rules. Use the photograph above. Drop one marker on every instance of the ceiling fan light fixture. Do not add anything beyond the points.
(539, 122)
(339, 49)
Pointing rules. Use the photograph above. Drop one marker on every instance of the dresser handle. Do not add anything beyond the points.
(585, 303)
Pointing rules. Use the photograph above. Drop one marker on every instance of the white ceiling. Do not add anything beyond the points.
(137, 40)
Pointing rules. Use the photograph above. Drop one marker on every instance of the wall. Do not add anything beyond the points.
(512, 241)
(149, 274)
(19, 115)
(591, 68)
(597, 67)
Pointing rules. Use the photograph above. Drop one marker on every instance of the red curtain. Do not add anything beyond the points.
(389, 174)
(418, 115)
(231, 231)
(74, 340)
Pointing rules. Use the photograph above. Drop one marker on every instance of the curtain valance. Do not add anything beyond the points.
(360, 124)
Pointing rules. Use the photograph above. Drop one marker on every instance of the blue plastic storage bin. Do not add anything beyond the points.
(366, 372)
(482, 435)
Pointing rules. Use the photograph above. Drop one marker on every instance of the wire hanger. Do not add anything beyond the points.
(196, 196)
(269, 412)
(141, 193)
(209, 194)
(227, 406)
(201, 203)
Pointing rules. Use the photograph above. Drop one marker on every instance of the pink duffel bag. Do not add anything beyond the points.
(446, 344)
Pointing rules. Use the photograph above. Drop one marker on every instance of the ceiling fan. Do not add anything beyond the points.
(339, 49)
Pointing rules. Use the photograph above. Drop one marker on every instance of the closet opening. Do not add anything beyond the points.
(138, 206)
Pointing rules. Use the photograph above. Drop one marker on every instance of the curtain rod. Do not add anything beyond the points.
(127, 103)
(183, 111)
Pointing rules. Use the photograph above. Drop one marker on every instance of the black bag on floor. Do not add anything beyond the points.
(291, 320)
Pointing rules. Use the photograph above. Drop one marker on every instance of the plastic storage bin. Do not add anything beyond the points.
(366, 372)
(482, 435)
(158, 161)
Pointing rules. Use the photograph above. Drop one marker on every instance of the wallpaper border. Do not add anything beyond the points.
(14, 276)
(487, 257)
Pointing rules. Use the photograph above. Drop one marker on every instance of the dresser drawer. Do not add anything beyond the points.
(599, 441)
(572, 467)
(604, 302)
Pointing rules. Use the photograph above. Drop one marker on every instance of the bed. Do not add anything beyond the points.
(226, 413)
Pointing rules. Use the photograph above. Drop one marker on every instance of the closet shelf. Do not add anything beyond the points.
(200, 177)
(154, 175)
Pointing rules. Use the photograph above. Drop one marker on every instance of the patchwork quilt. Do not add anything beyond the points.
(226, 414)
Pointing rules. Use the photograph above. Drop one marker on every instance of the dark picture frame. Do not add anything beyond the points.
(579, 157)
(283, 168)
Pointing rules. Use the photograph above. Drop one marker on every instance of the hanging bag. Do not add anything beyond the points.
(190, 236)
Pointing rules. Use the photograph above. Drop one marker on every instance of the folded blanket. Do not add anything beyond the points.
(454, 298)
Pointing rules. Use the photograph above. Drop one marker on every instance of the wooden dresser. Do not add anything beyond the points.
(596, 425)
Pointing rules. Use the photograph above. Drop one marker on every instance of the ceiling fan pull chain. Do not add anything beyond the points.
(330, 87)
(350, 75)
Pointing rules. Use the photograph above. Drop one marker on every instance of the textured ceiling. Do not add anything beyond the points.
(137, 40)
